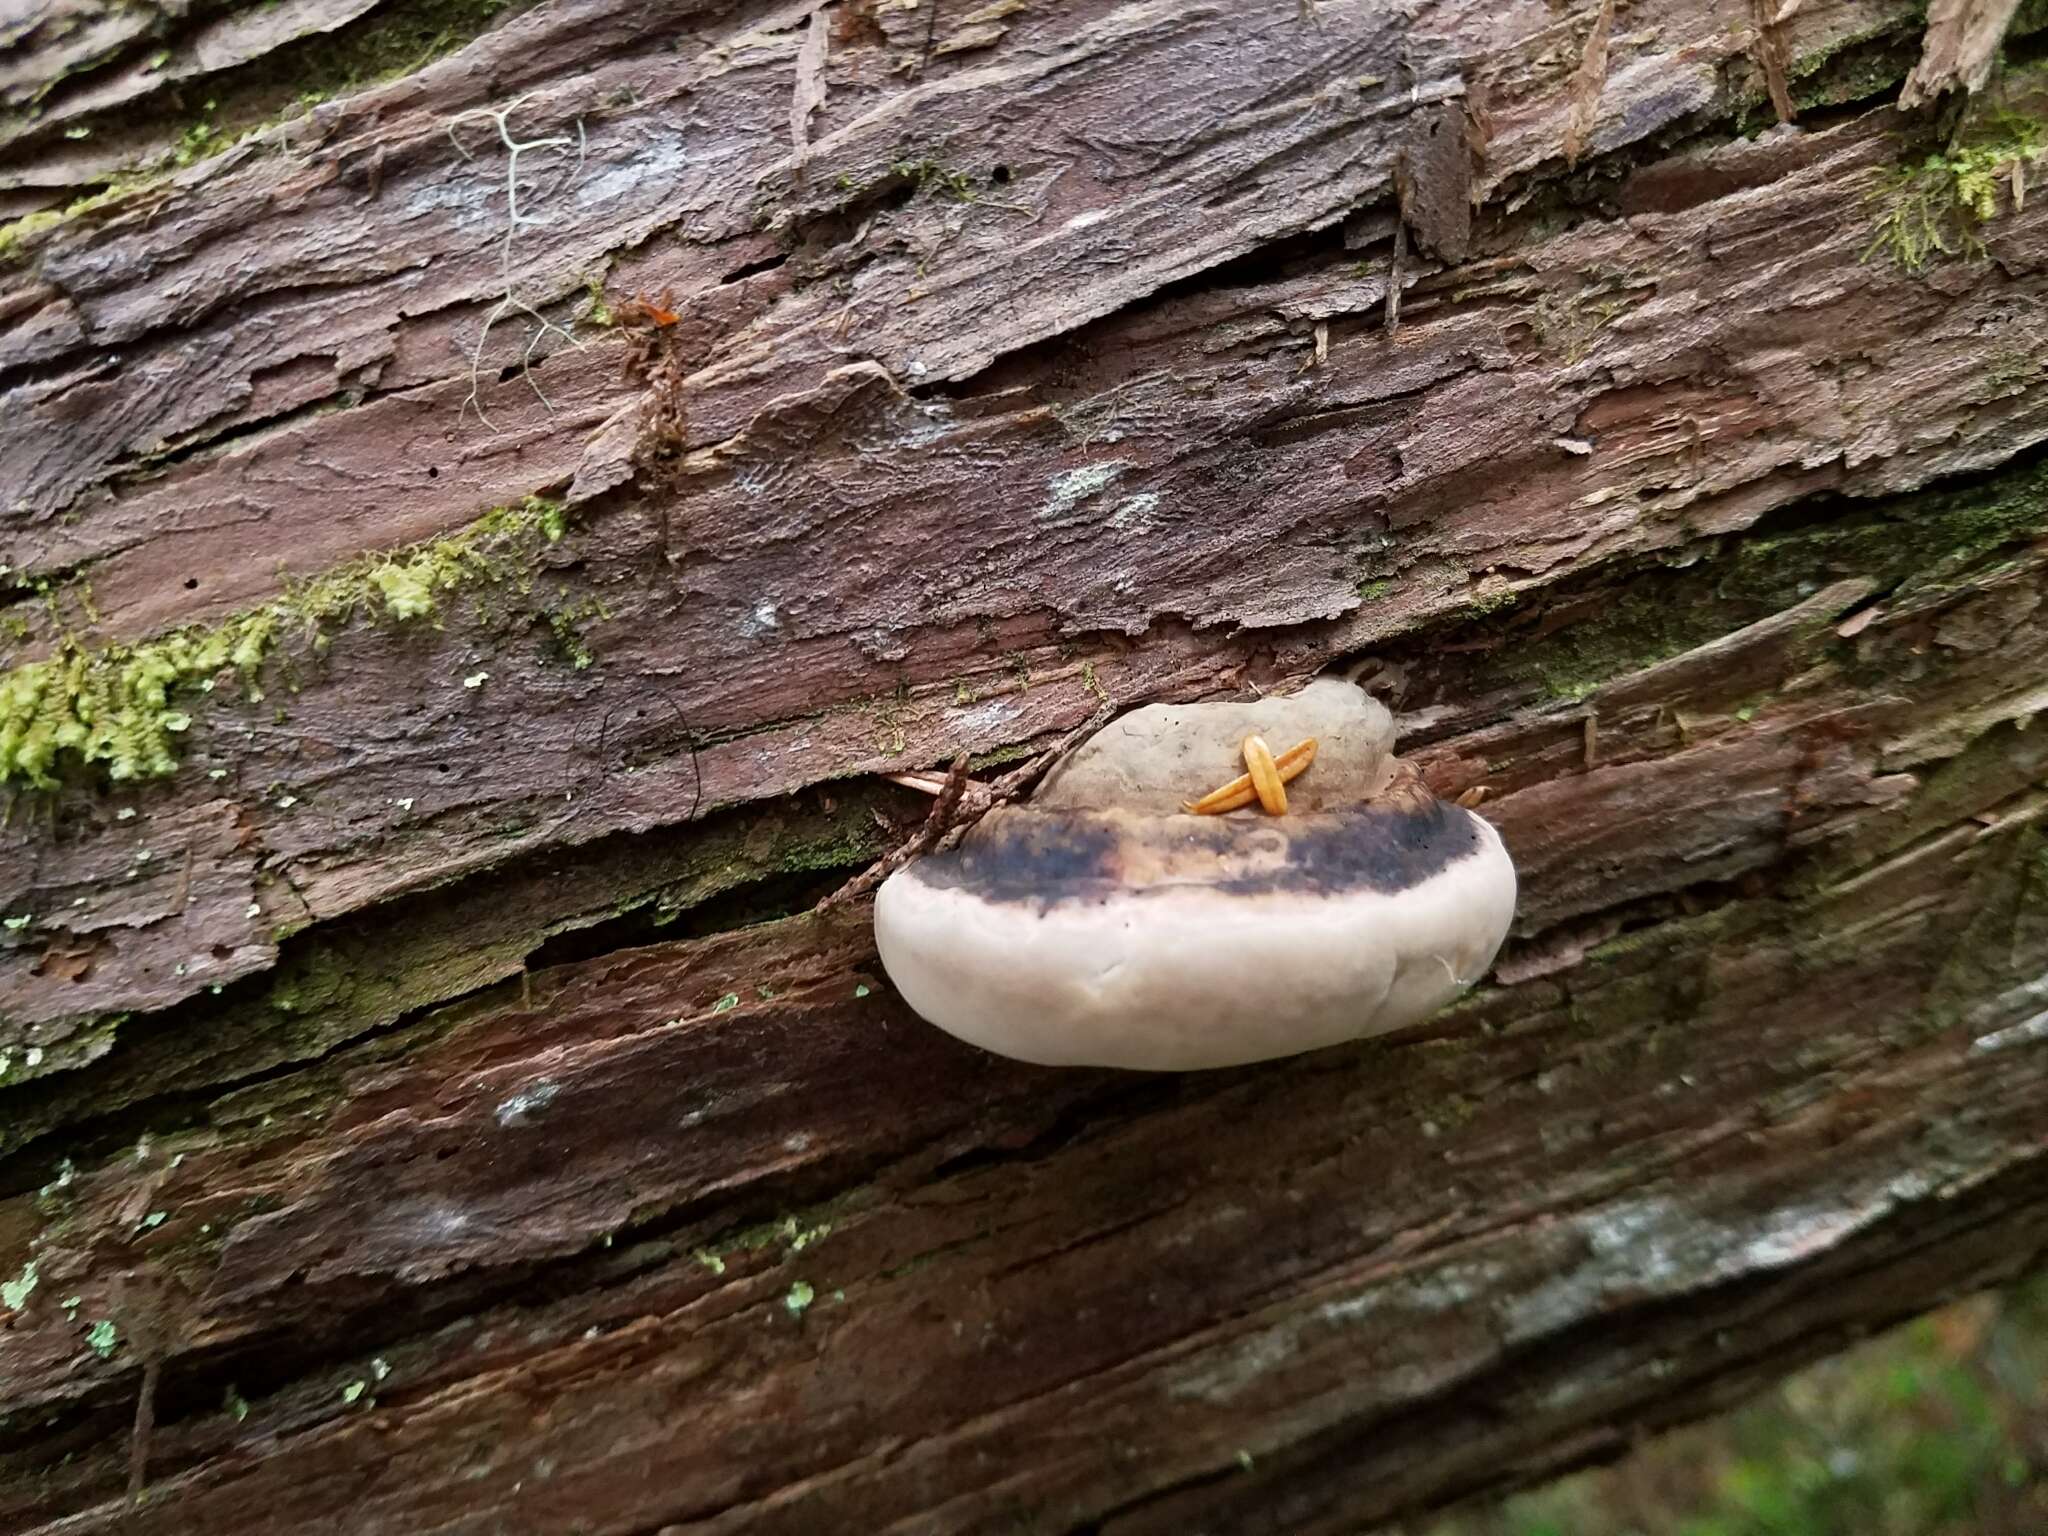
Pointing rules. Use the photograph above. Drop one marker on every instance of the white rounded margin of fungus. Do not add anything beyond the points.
(1191, 976)
(1127, 935)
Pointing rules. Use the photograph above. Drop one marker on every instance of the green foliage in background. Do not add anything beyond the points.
(1939, 1428)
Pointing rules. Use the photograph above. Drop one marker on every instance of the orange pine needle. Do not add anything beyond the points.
(1241, 792)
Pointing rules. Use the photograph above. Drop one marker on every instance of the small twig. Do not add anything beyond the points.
(1022, 780)
(960, 805)
(1400, 257)
(936, 823)
(145, 1426)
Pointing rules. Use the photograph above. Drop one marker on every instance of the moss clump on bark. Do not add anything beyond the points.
(120, 709)
(1918, 545)
(1938, 207)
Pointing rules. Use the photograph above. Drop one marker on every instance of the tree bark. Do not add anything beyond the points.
(475, 538)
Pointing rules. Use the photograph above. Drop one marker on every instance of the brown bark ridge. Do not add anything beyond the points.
(487, 487)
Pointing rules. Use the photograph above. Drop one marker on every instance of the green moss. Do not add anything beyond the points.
(19, 233)
(1637, 630)
(391, 42)
(16, 232)
(1852, 67)
(1373, 591)
(1001, 757)
(1918, 545)
(1937, 207)
(792, 1234)
(119, 709)
(599, 313)
(565, 631)
(929, 175)
(114, 707)
(1493, 602)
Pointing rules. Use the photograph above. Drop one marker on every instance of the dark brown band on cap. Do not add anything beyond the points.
(1047, 858)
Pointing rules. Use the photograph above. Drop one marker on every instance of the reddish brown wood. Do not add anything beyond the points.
(462, 1116)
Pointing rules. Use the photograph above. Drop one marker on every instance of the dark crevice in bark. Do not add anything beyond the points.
(766, 900)
(749, 269)
(88, 1141)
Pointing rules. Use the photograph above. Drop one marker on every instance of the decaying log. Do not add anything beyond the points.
(473, 541)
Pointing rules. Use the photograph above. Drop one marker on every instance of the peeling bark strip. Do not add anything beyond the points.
(810, 89)
(393, 1136)
(1770, 43)
(1587, 83)
(1961, 46)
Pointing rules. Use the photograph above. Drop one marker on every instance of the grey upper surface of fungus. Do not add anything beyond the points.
(1154, 759)
(1100, 925)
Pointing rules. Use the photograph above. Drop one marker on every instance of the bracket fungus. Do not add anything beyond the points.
(1322, 893)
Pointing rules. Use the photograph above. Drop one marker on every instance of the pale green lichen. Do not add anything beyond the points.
(14, 1293)
(800, 1296)
(104, 1338)
(1493, 602)
(120, 708)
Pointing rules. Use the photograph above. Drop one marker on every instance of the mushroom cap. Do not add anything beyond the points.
(1170, 942)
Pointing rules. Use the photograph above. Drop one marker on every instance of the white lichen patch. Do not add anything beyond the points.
(985, 719)
(518, 1109)
(1447, 1289)
(1134, 513)
(1067, 490)
(1659, 1246)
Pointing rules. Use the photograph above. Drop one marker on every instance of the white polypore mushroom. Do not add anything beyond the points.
(1102, 925)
